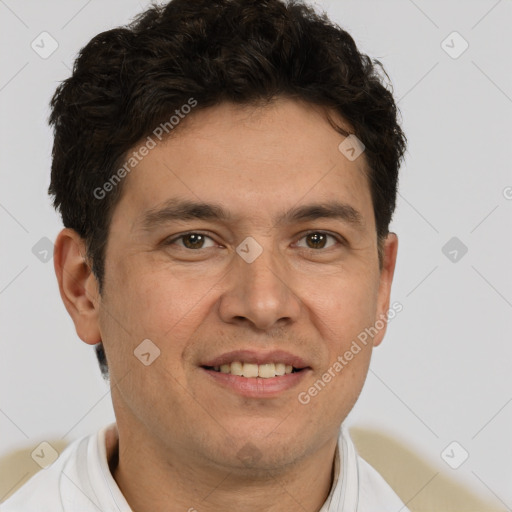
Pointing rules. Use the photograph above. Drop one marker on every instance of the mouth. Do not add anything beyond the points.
(255, 371)
(255, 374)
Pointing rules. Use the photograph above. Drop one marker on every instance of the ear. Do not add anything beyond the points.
(77, 285)
(389, 253)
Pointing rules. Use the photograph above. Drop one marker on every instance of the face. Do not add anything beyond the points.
(261, 280)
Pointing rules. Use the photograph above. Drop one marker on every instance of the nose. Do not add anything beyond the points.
(259, 293)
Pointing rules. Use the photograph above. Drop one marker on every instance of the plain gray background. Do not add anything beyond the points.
(443, 372)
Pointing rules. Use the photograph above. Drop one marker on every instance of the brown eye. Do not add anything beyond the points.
(191, 241)
(317, 240)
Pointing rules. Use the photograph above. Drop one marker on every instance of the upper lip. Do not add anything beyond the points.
(257, 357)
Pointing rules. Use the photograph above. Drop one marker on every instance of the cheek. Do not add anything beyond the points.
(151, 302)
(343, 307)
(156, 300)
(347, 311)
(342, 312)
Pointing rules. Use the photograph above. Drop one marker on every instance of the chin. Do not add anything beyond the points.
(255, 453)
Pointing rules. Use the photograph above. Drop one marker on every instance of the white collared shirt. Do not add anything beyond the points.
(80, 481)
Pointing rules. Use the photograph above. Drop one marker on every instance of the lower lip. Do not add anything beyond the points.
(257, 387)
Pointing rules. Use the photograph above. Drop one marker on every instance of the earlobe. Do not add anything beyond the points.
(389, 255)
(77, 285)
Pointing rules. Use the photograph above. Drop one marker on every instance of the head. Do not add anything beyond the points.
(178, 137)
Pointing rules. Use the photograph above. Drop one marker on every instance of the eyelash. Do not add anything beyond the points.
(338, 238)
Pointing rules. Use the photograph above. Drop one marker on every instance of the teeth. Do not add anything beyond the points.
(237, 368)
(280, 368)
(251, 370)
(266, 371)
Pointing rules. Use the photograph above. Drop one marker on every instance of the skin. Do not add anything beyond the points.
(180, 433)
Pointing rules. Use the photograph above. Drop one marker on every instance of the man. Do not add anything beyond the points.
(226, 172)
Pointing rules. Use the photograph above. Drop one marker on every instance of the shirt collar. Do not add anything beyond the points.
(344, 493)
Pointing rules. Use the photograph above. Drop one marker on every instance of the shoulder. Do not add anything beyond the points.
(374, 492)
(47, 490)
(364, 489)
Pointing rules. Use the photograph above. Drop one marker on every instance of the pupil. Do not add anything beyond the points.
(317, 238)
(196, 239)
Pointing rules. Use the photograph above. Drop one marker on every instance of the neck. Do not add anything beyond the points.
(151, 479)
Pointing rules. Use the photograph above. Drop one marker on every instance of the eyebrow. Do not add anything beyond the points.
(182, 209)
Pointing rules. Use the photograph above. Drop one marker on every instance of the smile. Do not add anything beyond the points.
(251, 370)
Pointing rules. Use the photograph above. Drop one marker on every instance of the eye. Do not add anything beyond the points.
(315, 240)
(191, 241)
(318, 239)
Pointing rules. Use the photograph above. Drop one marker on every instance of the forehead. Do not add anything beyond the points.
(254, 160)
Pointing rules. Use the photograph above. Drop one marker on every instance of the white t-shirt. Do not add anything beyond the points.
(80, 481)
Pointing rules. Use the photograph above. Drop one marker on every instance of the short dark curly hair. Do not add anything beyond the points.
(129, 80)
